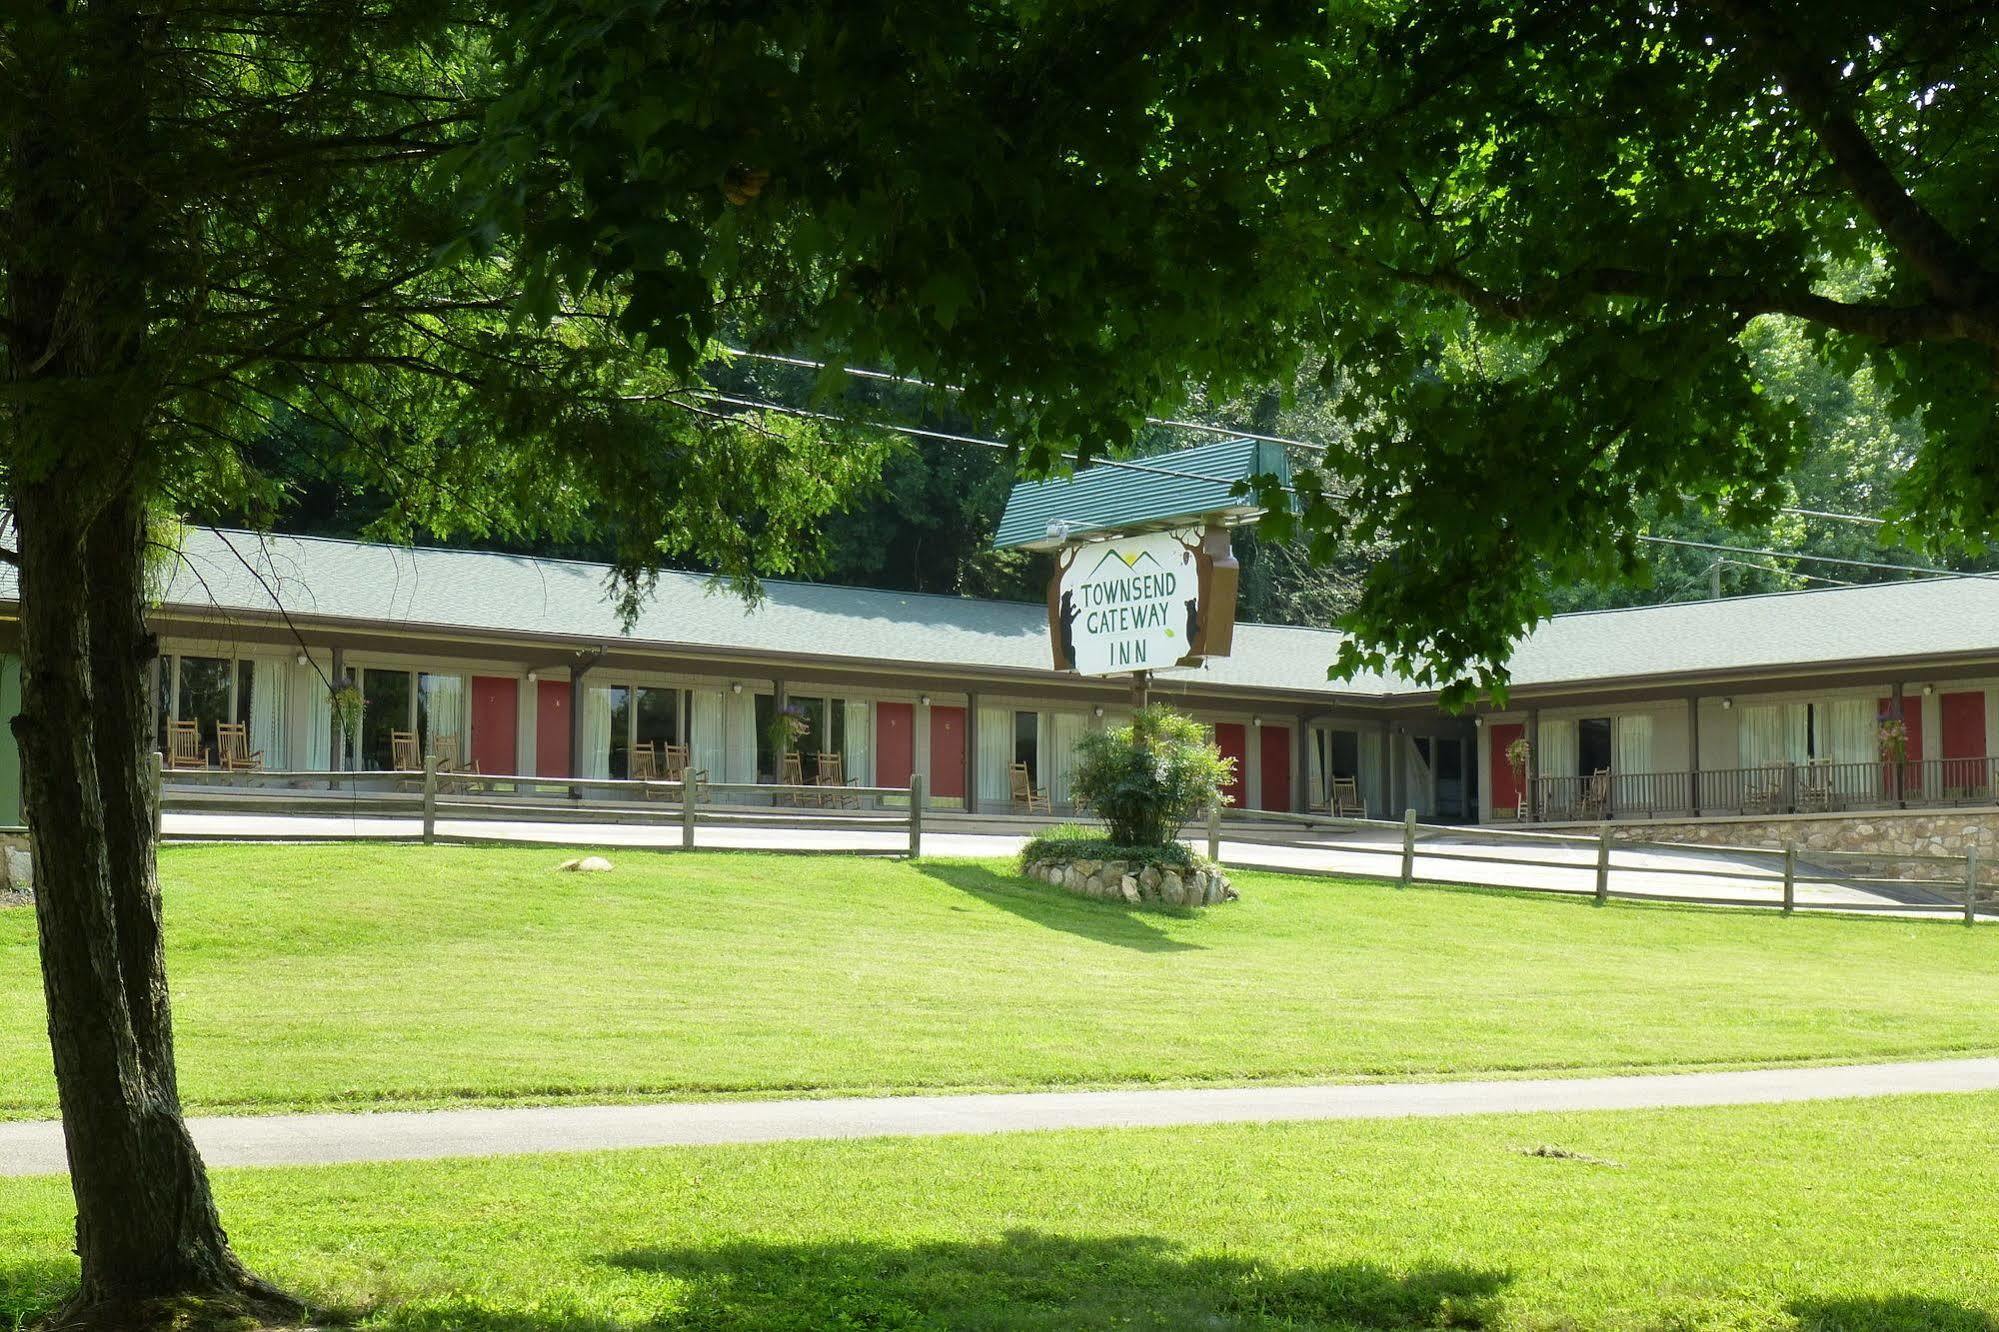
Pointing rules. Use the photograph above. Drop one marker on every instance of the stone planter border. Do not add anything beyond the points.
(1136, 882)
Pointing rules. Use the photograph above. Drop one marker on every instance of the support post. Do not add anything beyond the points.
(1215, 831)
(1895, 769)
(339, 678)
(915, 815)
(688, 786)
(429, 799)
(1408, 847)
(1971, 885)
(971, 753)
(1603, 864)
(156, 780)
(1694, 755)
(1790, 877)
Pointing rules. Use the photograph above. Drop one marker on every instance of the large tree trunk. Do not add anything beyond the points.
(152, 1246)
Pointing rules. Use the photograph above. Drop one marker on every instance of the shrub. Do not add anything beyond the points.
(1086, 846)
(1147, 779)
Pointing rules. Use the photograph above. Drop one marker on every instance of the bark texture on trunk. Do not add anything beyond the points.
(147, 1229)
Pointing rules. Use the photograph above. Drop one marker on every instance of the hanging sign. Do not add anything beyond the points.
(1142, 603)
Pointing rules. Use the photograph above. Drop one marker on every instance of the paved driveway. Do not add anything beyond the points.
(1698, 873)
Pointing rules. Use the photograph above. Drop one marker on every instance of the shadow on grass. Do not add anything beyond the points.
(1029, 1279)
(1106, 922)
(1891, 1313)
(29, 1290)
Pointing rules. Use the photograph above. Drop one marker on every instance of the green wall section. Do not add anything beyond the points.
(10, 754)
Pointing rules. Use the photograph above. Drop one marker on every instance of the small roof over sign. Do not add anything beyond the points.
(1138, 494)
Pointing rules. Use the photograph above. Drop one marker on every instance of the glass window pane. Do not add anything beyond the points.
(814, 740)
(766, 713)
(245, 670)
(1027, 742)
(621, 732)
(658, 718)
(1346, 754)
(1592, 745)
(385, 708)
(204, 694)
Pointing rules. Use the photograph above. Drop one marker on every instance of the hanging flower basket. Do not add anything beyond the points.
(1892, 735)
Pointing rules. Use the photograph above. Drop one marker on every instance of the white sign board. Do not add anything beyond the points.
(1130, 604)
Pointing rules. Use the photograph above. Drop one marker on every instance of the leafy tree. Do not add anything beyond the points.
(1527, 237)
(479, 255)
(1147, 778)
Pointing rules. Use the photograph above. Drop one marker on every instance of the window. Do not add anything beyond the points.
(826, 731)
(1027, 743)
(204, 694)
(1346, 754)
(656, 720)
(766, 714)
(1592, 745)
(621, 732)
(386, 700)
(440, 703)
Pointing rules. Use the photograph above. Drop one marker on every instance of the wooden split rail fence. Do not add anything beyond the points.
(1931, 884)
(415, 804)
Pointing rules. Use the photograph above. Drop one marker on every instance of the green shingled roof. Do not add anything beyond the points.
(1135, 493)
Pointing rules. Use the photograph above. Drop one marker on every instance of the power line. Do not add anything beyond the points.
(920, 432)
(884, 377)
(1822, 559)
(910, 381)
(948, 437)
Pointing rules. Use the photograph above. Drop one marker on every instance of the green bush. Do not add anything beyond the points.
(1147, 779)
(1051, 846)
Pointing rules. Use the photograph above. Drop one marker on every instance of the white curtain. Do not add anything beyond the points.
(1373, 781)
(444, 710)
(270, 711)
(1761, 735)
(860, 752)
(1064, 730)
(1798, 732)
(1558, 749)
(994, 757)
(313, 717)
(706, 750)
(1419, 785)
(1632, 744)
(740, 742)
(1851, 721)
(596, 757)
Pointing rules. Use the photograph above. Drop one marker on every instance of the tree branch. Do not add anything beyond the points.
(1951, 270)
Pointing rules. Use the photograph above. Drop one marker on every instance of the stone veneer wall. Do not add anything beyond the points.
(1887, 833)
(17, 872)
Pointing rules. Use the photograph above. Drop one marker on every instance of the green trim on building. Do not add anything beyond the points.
(1122, 495)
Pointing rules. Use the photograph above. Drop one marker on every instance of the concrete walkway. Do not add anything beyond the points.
(36, 1149)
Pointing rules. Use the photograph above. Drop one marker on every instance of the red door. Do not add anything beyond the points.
(1963, 717)
(947, 752)
(1232, 738)
(1912, 771)
(1274, 758)
(551, 729)
(895, 743)
(496, 723)
(1505, 787)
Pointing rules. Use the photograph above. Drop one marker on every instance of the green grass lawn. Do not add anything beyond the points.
(361, 975)
(1835, 1216)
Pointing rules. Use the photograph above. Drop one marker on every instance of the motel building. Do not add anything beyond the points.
(1747, 707)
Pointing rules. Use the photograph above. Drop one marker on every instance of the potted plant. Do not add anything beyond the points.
(1516, 758)
(345, 702)
(788, 725)
(1892, 735)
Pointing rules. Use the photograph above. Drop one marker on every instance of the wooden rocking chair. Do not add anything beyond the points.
(405, 755)
(233, 752)
(184, 746)
(831, 774)
(676, 766)
(1025, 797)
(1345, 801)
